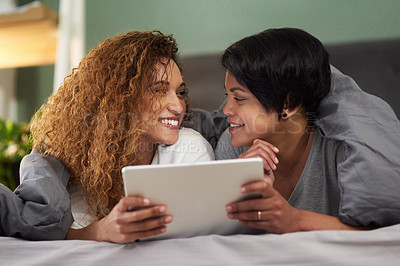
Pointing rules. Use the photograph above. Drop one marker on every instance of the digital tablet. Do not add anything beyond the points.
(195, 194)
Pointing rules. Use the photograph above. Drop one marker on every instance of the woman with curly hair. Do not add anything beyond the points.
(121, 106)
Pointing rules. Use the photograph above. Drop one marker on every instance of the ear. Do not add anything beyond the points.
(286, 113)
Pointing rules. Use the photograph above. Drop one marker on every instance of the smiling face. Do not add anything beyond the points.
(247, 118)
(164, 115)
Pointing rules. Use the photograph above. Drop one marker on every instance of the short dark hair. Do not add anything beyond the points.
(280, 62)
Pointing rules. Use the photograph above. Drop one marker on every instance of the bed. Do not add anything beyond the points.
(375, 247)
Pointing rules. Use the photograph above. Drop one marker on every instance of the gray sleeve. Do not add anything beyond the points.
(369, 174)
(225, 150)
(39, 209)
(211, 125)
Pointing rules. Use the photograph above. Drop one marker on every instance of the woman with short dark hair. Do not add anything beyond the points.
(274, 82)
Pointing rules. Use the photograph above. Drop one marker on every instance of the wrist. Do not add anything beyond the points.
(305, 221)
(96, 232)
(90, 232)
(309, 221)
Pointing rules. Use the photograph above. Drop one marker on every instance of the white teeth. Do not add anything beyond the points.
(236, 125)
(169, 122)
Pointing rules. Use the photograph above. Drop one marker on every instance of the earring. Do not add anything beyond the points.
(284, 115)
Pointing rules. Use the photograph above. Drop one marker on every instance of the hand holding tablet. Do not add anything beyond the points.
(195, 194)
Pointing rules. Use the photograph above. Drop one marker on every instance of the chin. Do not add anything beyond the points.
(239, 143)
(170, 140)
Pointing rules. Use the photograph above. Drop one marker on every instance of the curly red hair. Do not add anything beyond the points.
(94, 123)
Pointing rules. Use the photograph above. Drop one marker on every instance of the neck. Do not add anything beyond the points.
(294, 147)
(146, 152)
(294, 150)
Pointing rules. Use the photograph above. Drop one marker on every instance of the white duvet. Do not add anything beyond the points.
(376, 247)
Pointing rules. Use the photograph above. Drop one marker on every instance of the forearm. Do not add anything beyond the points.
(311, 221)
(89, 232)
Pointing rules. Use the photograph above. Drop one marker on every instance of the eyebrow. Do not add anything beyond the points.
(183, 84)
(235, 89)
(161, 82)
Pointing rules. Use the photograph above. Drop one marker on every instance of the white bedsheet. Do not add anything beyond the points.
(376, 247)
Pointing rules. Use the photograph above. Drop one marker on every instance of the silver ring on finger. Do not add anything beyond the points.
(259, 216)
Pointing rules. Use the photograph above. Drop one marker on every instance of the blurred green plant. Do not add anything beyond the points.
(15, 143)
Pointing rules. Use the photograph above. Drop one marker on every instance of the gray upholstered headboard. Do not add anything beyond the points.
(375, 66)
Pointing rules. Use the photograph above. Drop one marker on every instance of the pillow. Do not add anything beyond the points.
(369, 176)
(39, 209)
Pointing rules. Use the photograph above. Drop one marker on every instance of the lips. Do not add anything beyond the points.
(233, 126)
(236, 125)
(170, 122)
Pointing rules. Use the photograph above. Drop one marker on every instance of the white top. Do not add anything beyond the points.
(191, 147)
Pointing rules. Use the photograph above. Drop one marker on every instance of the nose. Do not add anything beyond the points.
(228, 110)
(174, 104)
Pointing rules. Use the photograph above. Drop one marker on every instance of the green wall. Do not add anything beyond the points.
(34, 86)
(209, 26)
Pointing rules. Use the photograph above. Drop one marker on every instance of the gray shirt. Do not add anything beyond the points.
(317, 189)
